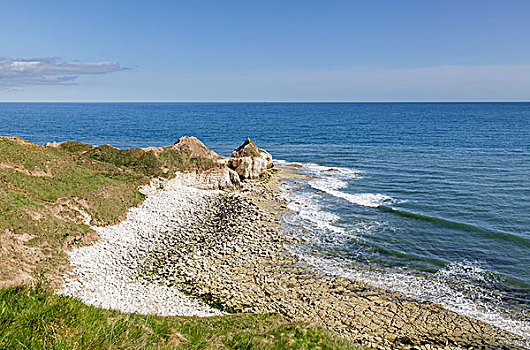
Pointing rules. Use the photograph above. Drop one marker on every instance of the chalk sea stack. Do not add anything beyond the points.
(249, 161)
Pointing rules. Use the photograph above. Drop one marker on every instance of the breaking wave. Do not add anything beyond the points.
(331, 186)
(321, 170)
(466, 299)
(463, 287)
(458, 225)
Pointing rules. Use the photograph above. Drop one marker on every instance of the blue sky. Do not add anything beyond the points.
(264, 50)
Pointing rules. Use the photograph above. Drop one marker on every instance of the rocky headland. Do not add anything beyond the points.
(213, 234)
(201, 238)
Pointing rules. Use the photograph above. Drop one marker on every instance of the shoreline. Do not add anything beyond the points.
(230, 252)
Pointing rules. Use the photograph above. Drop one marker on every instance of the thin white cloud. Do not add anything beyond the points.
(434, 83)
(48, 71)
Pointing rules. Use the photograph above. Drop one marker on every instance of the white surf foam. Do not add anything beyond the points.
(310, 213)
(327, 184)
(322, 170)
(465, 300)
(331, 186)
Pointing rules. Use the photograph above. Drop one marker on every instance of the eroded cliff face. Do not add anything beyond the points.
(247, 162)
(194, 148)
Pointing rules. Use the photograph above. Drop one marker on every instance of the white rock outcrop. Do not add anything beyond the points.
(249, 161)
(222, 178)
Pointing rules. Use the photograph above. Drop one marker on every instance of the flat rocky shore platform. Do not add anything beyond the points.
(226, 248)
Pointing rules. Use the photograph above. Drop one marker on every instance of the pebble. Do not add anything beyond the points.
(228, 247)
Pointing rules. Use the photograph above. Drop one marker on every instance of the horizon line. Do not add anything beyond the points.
(251, 101)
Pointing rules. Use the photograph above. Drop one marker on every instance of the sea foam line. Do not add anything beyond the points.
(331, 179)
(322, 170)
(309, 211)
(436, 289)
(331, 186)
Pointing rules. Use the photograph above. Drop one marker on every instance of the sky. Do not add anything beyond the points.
(290, 50)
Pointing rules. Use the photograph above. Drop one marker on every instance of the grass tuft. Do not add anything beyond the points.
(35, 318)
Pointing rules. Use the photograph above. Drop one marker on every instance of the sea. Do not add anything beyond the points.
(428, 199)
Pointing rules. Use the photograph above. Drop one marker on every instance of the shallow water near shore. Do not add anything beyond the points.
(429, 199)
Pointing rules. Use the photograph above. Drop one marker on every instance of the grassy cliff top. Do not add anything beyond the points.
(46, 194)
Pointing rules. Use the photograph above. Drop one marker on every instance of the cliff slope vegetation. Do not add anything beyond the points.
(49, 197)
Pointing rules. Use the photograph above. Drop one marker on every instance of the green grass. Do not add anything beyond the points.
(34, 318)
(39, 191)
(43, 190)
(76, 146)
(149, 163)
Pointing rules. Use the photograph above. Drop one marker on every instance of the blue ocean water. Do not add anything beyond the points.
(431, 199)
